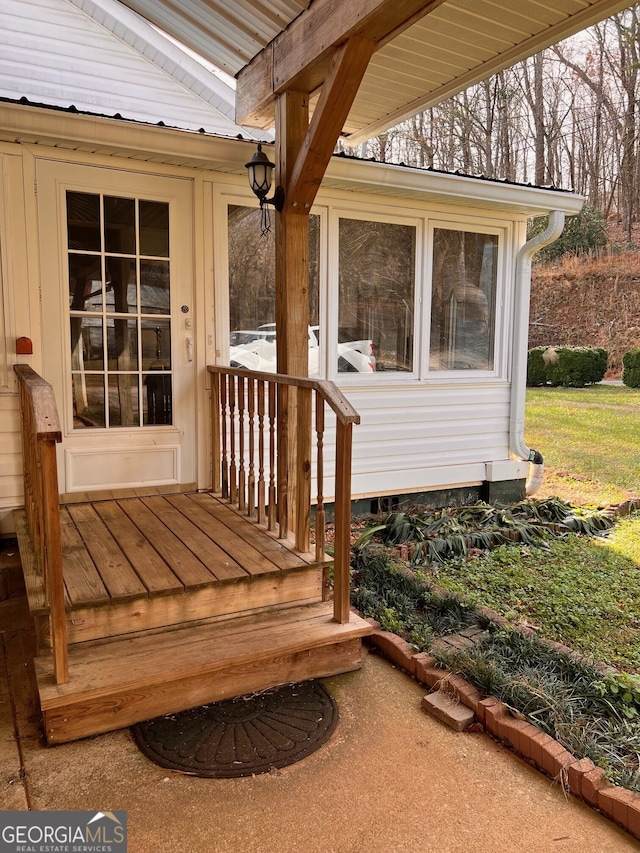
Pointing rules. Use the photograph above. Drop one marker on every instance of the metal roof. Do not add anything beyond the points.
(457, 44)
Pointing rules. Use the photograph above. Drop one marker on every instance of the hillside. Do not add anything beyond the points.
(588, 301)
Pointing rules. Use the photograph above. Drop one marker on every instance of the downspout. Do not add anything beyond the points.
(520, 349)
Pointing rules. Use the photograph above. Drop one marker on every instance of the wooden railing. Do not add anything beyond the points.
(40, 433)
(262, 438)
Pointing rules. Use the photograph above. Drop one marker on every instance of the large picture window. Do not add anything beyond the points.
(463, 302)
(377, 262)
(252, 292)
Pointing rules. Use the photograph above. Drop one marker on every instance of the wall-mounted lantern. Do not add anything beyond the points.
(260, 173)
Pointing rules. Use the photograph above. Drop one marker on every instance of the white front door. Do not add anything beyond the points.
(117, 320)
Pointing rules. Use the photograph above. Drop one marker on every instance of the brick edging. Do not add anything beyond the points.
(580, 776)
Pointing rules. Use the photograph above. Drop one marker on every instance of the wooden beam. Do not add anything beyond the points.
(299, 58)
(292, 242)
(292, 305)
(348, 66)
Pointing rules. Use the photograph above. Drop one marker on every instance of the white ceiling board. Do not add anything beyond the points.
(459, 43)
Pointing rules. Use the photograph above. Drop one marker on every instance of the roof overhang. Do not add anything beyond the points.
(440, 51)
(38, 126)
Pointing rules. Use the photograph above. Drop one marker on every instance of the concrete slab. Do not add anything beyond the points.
(390, 779)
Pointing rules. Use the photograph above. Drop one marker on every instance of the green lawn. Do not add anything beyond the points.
(590, 441)
(582, 592)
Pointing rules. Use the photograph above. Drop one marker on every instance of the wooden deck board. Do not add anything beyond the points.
(221, 565)
(82, 581)
(117, 573)
(152, 570)
(186, 566)
(233, 542)
(132, 550)
(277, 552)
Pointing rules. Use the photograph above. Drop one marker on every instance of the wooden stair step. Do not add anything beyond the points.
(117, 683)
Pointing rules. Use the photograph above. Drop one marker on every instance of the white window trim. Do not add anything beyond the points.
(502, 302)
(364, 213)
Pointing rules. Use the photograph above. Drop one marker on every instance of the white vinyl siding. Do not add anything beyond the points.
(11, 493)
(427, 436)
(53, 53)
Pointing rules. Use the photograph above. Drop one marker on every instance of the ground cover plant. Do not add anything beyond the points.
(424, 575)
(555, 568)
(592, 712)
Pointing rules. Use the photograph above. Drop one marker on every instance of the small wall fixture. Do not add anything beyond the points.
(260, 173)
(24, 346)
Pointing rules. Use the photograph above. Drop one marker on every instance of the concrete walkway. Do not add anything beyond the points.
(390, 779)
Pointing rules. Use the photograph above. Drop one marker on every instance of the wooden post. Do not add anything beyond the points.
(53, 562)
(292, 293)
(342, 549)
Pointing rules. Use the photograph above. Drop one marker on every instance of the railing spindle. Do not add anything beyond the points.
(224, 384)
(233, 471)
(242, 475)
(320, 524)
(272, 506)
(261, 441)
(251, 405)
(217, 427)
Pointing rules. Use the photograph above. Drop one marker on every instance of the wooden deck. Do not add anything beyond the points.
(149, 605)
(137, 564)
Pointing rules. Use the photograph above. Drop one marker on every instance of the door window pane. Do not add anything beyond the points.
(112, 337)
(463, 300)
(83, 221)
(157, 398)
(87, 352)
(88, 400)
(156, 345)
(154, 287)
(121, 293)
(123, 400)
(154, 228)
(377, 263)
(85, 283)
(122, 343)
(120, 225)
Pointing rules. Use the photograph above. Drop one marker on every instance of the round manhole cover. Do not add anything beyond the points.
(242, 737)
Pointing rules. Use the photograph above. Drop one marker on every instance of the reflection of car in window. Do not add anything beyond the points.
(256, 350)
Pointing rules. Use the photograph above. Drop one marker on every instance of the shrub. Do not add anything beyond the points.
(572, 367)
(631, 368)
(583, 233)
(536, 368)
(576, 367)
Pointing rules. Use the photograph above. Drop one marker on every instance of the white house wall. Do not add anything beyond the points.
(417, 433)
(53, 53)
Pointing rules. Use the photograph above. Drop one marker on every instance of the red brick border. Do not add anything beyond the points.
(579, 776)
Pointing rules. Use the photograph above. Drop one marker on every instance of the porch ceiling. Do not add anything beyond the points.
(455, 45)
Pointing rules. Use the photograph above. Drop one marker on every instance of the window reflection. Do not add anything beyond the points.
(83, 221)
(376, 295)
(154, 287)
(463, 300)
(120, 225)
(252, 289)
(85, 283)
(120, 306)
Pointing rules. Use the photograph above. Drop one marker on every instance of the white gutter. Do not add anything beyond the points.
(520, 349)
